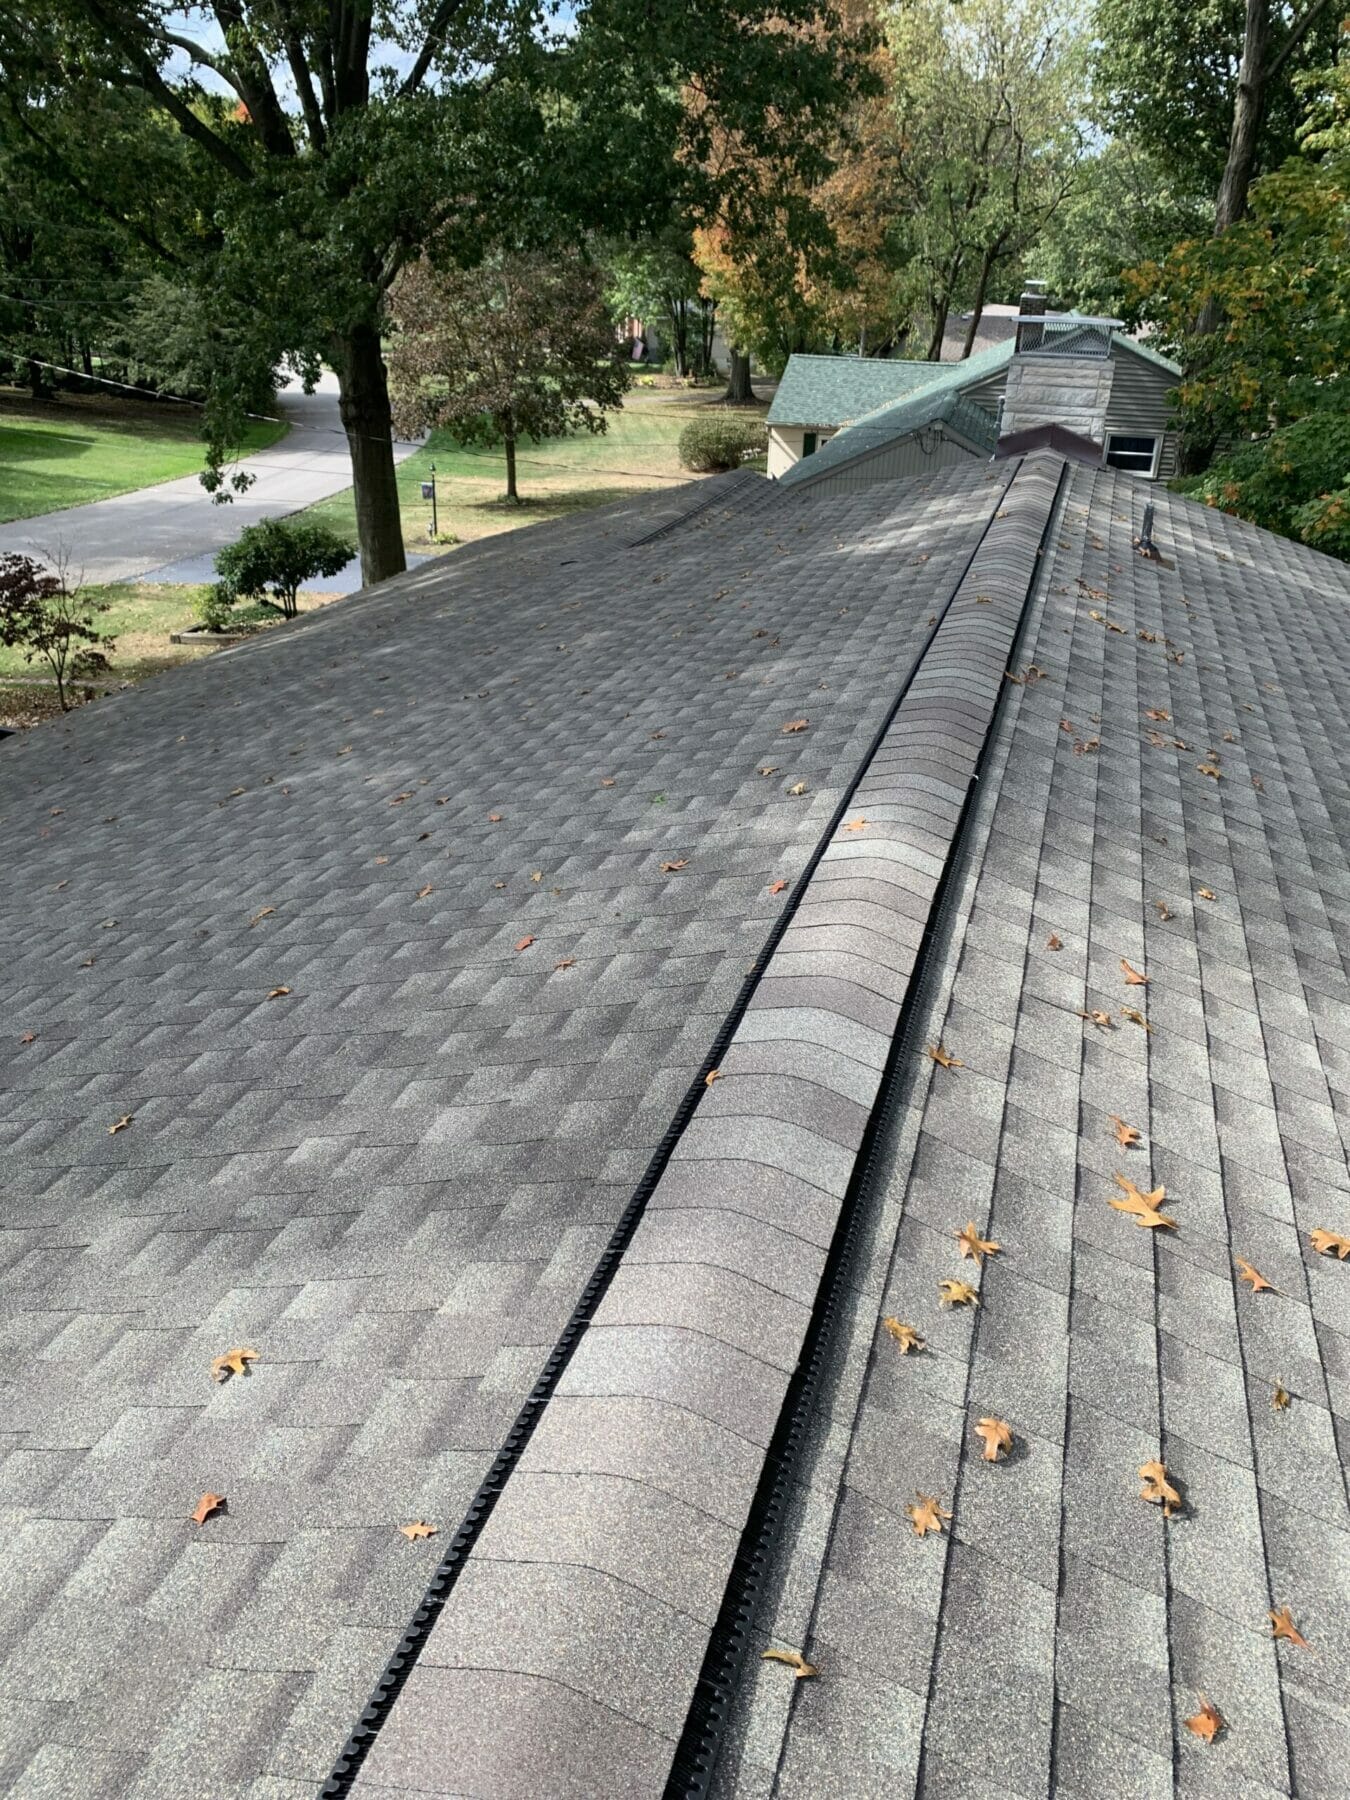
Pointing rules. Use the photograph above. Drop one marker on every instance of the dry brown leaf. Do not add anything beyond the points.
(567, 962)
(398, 799)
(1133, 1014)
(1162, 909)
(494, 818)
(1258, 1281)
(1156, 712)
(673, 868)
(277, 993)
(943, 1057)
(1206, 893)
(524, 943)
(1283, 1626)
(927, 1514)
(1143, 1208)
(905, 1335)
(1207, 1723)
(28, 1037)
(1209, 769)
(418, 1529)
(232, 1362)
(797, 789)
(997, 1435)
(208, 1504)
(769, 769)
(1125, 1135)
(1280, 1398)
(1102, 1020)
(607, 781)
(1157, 1489)
(776, 887)
(1132, 976)
(423, 892)
(858, 824)
(1328, 1243)
(973, 1245)
(797, 1663)
(381, 859)
(796, 725)
(258, 917)
(1054, 941)
(121, 1124)
(710, 1077)
(537, 875)
(957, 1293)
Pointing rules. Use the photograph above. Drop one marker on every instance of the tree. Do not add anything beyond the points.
(988, 97)
(656, 278)
(341, 138)
(1271, 382)
(274, 557)
(1205, 88)
(523, 346)
(1124, 209)
(44, 615)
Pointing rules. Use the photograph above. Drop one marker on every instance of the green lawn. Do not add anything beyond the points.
(78, 447)
(560, 476)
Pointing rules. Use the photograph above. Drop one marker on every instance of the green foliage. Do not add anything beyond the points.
(721, 440)
(523, 346)
(1296, 481)
(1165, 80)
(45, 617)
(274, 557)
(1280, 281)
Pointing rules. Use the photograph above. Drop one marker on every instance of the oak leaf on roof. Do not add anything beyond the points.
(794, 1661)
(417, 1528)
(422, 893)
(1143, 1208)
(566, 962)
(797, 789)
(944, 1058)
(1133, 978)
(277, 993)
(1054, 941)
(905, 1335)
(1207, 1723)
(776, 887)
(1329, 1243)
(957, 1293)
(1157, 1489)
(233, 1362)
(794, 725)
(1246, 1272)
(927, 1514)
(28, 1037)
(263, 913)
(206, 1506)
(1125, 1135)
(1133, 1014)
(524, 943)
(998, 1437)
(858, 824)
(674, 867)
(973, 1245)
(1283, 1626)
(1206, 893)
(1279, 1399)
(121, 1124)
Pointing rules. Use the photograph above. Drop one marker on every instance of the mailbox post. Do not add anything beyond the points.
(429, 493)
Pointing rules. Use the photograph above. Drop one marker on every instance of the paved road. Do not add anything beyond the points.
(133, 534)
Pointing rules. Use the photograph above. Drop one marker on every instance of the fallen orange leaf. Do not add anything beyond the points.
(277, 993)
(1125, 1135)
(208, 1504)
(797, 789)
(858, 824)
(973, 1245)
(927, 1514)
(1143, 1208)
(423, 892)
(673, 868)
(997, 1435)
(1157, 1489)
(258, 917)
(1206, 893)
(943, 1058)
(1132, 976)
(121, 1124)
(1258, 1281)
(1054, 941)
(1327, 1243)
(524, 943)
(1283, 1626)
(905, 1335)
(796, 725)
(798, 1664)
(417, 1529)
(1280, 1398)
(232, 1362)
(710, 1077)
(776, 887)
(29, 1037)
(1207, 1723)
(957, 1293)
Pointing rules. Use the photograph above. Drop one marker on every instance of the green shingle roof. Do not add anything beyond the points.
(939, 403)
(834, 390)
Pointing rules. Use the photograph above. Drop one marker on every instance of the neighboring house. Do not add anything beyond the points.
(930, 429)
(714, 1066)
(1135, 429)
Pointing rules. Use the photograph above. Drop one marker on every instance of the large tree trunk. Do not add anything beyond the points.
(511, 493)
(364, 390)
(981, 294)
(1248, 107)
(739, 391)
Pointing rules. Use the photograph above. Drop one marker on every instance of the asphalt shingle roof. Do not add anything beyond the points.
(940, 405)
(395, 1180)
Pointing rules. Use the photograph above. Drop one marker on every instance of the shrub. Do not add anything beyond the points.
(721, 441)
(272, 559)
(43, 614)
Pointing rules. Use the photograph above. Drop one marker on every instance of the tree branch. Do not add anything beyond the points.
(1297, 32)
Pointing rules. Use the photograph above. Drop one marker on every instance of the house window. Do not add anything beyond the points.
(1137, 454)
(808, 443)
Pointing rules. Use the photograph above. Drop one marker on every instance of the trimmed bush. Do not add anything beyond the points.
(270, 560)
(721, 440)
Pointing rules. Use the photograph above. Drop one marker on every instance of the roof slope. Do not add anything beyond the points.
(886, 425)
(396, 1180)
(832, 390)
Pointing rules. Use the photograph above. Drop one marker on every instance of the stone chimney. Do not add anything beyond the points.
(1059, 374)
